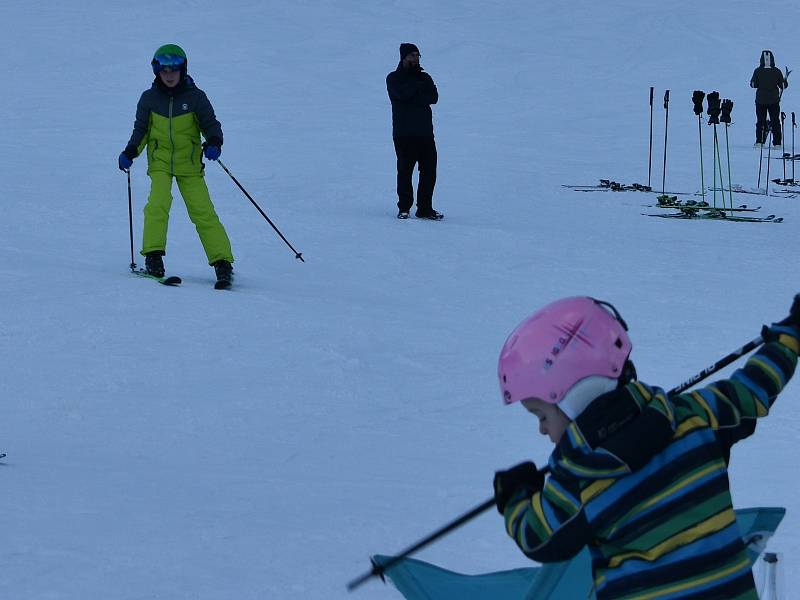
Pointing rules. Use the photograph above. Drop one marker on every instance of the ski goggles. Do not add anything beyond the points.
(168, 62)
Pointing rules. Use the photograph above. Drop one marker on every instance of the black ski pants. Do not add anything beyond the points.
(762, 130)
(415, 150)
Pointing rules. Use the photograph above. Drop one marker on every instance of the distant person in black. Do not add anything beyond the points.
(769, 82)
(412, 92)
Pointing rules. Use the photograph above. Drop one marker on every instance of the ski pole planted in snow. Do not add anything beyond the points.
(794, 126)
(666, 127)
(650, 154)
(769, 156)
(783, 142)
(727, 109)
(697, 99)
(263, 214)
(130, 218)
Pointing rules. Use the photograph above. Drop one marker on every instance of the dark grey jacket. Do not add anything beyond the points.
(411, 92)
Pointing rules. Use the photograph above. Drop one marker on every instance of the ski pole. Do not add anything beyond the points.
(666, 126)
(130, 218)
(720, 364)
(783, 142)
(263, 214)
(697, 99)
(650, 156)
(379, 570)
(714, 110)
(769, 157)
(727, 109)
(794, 125)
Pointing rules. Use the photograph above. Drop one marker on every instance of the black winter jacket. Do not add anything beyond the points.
(411, 92)
(768, 81)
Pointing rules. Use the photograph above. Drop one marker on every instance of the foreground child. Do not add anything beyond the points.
(169, 119)
(652, 502)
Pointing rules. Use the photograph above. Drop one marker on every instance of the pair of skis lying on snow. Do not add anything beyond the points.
(174, 280)
(691, 209)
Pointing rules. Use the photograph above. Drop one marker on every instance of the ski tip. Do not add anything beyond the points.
(172, 280)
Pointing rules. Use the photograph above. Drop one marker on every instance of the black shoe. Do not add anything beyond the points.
(153, 264)
(430, 214)
(224, 270)
(403, 214)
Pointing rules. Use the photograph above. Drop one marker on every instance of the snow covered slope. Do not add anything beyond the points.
(262, 443)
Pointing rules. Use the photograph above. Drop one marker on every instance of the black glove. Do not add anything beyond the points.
(697, 98)
(714, 108)
(507, 483)
(727, 108)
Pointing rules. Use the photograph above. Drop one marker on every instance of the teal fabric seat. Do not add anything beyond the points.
(418, 580)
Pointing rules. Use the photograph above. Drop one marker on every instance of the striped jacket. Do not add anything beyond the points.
(657, 516)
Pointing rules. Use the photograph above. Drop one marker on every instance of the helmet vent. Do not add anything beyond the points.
(618, 343)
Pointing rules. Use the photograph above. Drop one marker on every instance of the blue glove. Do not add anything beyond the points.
(211, 152)
(124, 162)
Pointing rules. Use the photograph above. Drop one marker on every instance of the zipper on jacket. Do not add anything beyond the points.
(171, 142)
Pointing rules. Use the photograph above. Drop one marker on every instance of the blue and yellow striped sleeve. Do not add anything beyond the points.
(548, 526)
(751, 390)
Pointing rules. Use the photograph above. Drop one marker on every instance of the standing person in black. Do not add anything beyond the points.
(769, 83)
(412, 92)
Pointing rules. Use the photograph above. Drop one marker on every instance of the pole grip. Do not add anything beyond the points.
(666, 99)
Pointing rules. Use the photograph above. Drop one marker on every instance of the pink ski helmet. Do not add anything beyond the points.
(560, 345)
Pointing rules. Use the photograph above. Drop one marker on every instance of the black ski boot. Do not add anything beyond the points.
(153, 264)
(224, 271)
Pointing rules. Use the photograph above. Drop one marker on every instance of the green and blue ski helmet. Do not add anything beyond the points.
(169, 56)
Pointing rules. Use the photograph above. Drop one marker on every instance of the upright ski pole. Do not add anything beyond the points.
(130, 218)
(760, 162)
(650, 154)
(794, 125)
(263, 214)
(666, 128)
(714, 110)
(769, 156)
(727, 108)
(697, 99)
(783, 142)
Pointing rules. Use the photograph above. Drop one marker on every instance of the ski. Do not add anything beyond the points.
(717, 217)
(774, 193)
(167, 280)
(706, 206)
(610, 185)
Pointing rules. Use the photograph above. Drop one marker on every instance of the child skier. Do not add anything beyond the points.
(169, 119)
(644, 481)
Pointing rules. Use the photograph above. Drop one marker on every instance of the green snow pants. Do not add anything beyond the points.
(201, 211)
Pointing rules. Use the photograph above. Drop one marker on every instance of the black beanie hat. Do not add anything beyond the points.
(406, 49)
